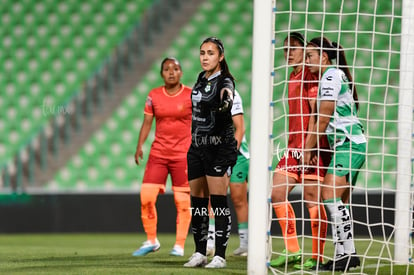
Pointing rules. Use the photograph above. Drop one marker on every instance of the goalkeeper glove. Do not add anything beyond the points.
(226, 101)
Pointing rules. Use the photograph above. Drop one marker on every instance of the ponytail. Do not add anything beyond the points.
(343, 65)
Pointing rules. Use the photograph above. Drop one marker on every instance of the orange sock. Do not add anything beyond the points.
(149, 193)
(319, 227)
(287, 220)
(183, 204)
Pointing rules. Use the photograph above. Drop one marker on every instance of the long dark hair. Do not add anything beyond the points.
(223, 63)
(336, 51)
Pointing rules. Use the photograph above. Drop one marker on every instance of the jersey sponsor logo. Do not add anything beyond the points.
(239, 175)
(328, 91)
(339, 167)
(344, 78)
(196, 96)
(218, 169)
(195, 118)
(236, 106)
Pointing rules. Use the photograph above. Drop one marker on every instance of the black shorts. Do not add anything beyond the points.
(211, 160)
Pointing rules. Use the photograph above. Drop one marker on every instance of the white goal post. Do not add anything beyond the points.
(403, 207)
(265, 41)
(260, 159)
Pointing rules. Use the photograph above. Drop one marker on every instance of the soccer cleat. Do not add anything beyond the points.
(177, 251)
(309, 264)
(147, 247)
(286, 258)
(196, 260)
(217, 262)
(344, 263)
(241, 251)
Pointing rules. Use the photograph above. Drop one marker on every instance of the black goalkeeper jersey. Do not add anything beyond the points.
(209, 126)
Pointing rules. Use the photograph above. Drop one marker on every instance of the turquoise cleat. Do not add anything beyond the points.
(147, 247)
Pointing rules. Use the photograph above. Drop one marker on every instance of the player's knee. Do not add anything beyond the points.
(149, 196)
(147, 204)
(279, 196)
(238, 202)
(182, 201)
(311, 198)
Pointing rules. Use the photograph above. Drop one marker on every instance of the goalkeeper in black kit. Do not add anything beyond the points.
(212, 154)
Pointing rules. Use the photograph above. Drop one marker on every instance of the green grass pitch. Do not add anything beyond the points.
(111, 254)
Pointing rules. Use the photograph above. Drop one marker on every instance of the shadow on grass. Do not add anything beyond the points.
(156, 263)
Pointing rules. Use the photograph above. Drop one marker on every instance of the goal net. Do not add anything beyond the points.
(378, 41)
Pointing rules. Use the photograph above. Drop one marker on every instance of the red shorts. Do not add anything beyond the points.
(157, 170)
(291, 165)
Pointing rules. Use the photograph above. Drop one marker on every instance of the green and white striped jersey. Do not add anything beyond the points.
(236, 109)
(344, 123)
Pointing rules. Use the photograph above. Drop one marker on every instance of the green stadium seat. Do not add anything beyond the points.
(66, 178)
(116, 151)
(35, 35)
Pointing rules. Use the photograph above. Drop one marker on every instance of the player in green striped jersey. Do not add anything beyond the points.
(337, 119)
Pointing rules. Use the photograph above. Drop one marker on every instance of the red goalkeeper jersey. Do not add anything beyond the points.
(302, 87)
(172, 122)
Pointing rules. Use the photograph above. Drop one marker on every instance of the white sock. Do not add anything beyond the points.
(243, 236)
(211, 239)
(339, 247)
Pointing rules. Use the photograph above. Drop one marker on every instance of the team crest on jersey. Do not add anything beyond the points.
(208, 87)
(344, 78)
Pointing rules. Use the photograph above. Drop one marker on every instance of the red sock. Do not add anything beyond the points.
(287, 220)
(183, 204)
(319, 227)
(149, 193)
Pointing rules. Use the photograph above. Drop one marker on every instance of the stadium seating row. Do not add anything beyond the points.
(49, 48)
(58, 45)
(232, 22)
(106, 162)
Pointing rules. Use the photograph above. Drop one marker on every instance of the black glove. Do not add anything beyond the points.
(226, 101)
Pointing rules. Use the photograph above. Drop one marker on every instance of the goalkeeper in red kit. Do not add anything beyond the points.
(302, 93)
